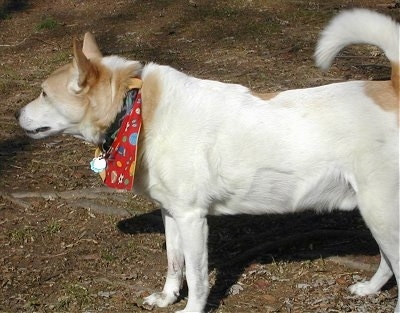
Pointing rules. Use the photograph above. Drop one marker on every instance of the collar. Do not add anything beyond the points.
(115, 159)
(134, 85)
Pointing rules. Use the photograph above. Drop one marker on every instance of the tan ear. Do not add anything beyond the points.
(85, 71)
(90, 48)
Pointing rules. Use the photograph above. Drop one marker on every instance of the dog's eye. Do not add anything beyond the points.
(44, 94)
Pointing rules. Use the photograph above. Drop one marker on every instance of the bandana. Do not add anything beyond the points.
(115, 160)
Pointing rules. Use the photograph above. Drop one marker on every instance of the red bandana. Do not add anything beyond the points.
(117, 165)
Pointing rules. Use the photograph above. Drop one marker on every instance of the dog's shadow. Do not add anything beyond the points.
(235, 242)
(10, 148)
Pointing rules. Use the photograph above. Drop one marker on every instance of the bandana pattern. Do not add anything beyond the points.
(116, 164)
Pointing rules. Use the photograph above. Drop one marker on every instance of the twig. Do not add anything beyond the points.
(34, 38)
(355, 57)
(100, 209)
(88, 193)
(16, 201)
(57, 163)
(16, 44)
(352, 263)
(48, 256)
(374, 65)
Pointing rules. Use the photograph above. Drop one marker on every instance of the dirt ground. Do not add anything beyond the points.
(67, 244)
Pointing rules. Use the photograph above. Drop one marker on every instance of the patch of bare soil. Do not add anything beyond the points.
(69, 245)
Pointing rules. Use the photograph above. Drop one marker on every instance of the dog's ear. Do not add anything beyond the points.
(85, 72)
(90, 48)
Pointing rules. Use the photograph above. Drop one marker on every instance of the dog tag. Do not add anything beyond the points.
(98, 164)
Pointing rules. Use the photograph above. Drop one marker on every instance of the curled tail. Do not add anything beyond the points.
(365, 27)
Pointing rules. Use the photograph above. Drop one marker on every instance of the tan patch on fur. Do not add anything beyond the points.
(396, 77)
(88, 74)
(101, 112)
(266, 96)
(135, 83)
(151, 93)
(384, 95)
(121, 80)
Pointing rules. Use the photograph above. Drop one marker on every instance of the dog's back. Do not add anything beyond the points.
(300, 149)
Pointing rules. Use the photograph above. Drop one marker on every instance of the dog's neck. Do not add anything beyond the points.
(115, 159)
(134, 85)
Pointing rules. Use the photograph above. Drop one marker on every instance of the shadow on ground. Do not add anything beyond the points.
(10, 150)
(236, 242)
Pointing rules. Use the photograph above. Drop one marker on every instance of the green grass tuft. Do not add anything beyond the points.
(47, 23)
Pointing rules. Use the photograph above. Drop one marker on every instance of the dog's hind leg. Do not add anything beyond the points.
(379, 206)
(382, 275)
(175, 258)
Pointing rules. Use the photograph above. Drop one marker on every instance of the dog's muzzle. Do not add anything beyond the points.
(36, 131)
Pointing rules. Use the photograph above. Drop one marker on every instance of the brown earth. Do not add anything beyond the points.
(69, 245)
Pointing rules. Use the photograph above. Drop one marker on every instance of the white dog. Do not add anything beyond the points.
(208, 147)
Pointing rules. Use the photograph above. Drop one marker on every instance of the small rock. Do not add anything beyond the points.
(235, 289)
(357, 277)
(303, 286)
(261, 284)
(106, 294)
(269, 298)
(341, 281)
(193, 3)
(330, 282)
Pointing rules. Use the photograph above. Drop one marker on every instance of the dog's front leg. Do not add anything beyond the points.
(193, 230)
(186, 239)
(175, 266)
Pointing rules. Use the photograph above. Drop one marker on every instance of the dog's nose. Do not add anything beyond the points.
(17, 114)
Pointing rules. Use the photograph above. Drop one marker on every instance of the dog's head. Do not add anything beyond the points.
(81, 98)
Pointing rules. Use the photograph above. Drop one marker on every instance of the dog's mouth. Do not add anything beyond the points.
(37, 130)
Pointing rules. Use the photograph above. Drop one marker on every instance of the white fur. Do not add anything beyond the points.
(358, 26)
(215, 148)
(322, 148)
(115, 62)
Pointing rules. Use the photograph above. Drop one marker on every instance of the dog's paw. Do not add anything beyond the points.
(160, 299)
(363, 289)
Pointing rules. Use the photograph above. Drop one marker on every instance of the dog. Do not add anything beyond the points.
(207, 147)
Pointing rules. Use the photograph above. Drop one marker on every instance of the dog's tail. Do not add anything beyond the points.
(360, 26)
